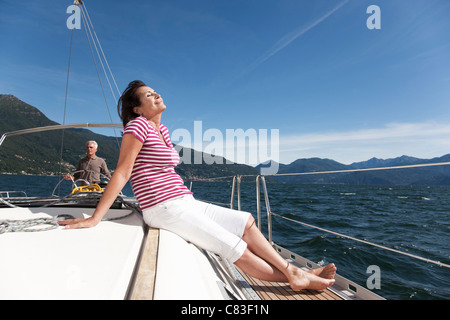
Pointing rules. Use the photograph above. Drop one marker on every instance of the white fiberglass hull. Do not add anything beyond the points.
(95, 263)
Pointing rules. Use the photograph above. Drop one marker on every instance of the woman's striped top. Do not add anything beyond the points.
(153, 178)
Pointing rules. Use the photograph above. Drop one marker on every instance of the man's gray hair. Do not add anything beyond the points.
(94, 142)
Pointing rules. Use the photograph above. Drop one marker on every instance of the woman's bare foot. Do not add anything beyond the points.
(327, 272)
(299, 280)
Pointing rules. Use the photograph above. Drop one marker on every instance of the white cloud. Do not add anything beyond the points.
(422, 140)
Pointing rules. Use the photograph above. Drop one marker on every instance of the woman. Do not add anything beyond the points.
(148, 157)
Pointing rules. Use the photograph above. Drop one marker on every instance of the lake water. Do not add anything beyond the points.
(411, 219)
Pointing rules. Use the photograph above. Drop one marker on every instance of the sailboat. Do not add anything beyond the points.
(122, 258)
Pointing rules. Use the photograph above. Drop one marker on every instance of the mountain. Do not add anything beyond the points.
(375, 162)
(189, 169)
(39, 153)
(438, 175)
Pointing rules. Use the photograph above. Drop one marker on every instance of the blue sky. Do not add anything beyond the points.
(312, 70)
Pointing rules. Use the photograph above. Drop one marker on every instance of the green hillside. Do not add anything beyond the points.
(39, 153)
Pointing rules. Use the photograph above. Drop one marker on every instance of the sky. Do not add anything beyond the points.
(336, 79)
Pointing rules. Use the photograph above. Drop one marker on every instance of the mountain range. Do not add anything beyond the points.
(39, 154)
(434, 175)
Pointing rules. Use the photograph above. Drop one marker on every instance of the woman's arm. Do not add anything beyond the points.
(128, 153)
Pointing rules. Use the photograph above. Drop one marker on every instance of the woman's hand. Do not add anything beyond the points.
(78, 223)
(128, 153)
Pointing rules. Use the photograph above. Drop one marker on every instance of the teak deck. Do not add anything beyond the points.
(144, 282)
(145, 279)
(281, 291)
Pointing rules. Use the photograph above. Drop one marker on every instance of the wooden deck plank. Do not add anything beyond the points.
(333, 296)
(145, 278)
(267, 290)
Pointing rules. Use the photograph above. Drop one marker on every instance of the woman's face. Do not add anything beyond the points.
(151, 103)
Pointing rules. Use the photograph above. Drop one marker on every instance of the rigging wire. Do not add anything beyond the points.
(67, 79)
(365, 169)
(89, 32)
(270, 213)
(103, 54)
(65, 105)
(363, 241)
(325, 172)
(88, 25)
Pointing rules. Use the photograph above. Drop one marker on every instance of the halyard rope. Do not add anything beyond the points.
(28, 224)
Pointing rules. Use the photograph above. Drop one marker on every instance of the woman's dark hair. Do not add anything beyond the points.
(128, 101)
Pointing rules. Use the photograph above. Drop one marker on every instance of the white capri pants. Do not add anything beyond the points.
(213, 228)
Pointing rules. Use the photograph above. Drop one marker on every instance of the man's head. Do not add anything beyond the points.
(91, 148)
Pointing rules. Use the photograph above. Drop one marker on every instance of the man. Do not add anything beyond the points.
(90, 164)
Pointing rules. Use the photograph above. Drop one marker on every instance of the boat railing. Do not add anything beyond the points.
(261, 183)
(79, 172)
(58, 127)
(8, 194)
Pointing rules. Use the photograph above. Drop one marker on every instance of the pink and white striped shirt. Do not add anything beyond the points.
(153, 178)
